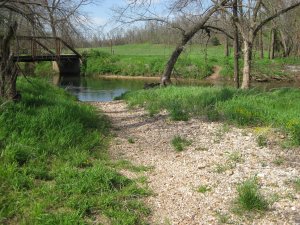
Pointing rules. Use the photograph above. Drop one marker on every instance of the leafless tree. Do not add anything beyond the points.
(249, 23)
(194, 15)
(62, 14)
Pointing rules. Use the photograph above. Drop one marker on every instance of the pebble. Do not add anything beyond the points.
(177, 176)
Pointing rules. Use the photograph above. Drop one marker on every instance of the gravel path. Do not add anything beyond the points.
(219, 157)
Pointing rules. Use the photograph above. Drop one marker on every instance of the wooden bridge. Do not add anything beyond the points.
(66, 60)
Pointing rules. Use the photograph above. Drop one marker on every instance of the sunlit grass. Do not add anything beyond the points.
(54, 168)
(278, 108)
(150, 59)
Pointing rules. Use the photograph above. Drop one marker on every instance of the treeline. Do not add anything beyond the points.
(279, 38)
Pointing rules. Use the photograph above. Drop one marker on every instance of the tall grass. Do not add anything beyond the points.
(278, 108)
(249, 197)
(53, 163)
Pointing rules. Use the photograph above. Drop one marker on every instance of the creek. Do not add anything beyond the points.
(89, 89)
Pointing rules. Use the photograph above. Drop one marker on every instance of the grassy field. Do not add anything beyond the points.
(279, 108)
(54, 167)
(150, 59)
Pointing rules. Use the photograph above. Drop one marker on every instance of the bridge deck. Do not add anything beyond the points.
(29, 58)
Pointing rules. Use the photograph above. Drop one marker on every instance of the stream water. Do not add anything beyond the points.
(106, 89)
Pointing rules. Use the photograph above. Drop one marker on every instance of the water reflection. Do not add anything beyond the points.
(95, 89)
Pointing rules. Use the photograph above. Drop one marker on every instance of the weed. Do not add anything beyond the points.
(203, 189)
(231, 162)
(262, 141)
(249, 197)
(131, 140)
(221, 168)
(235, 157)
(180, 143)
(279, 160)
(223, 217)
(297, 185)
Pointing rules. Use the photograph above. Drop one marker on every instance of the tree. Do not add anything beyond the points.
(188, 17)
(10, 13)
(65, 17)
(249, 24)
(60, 12)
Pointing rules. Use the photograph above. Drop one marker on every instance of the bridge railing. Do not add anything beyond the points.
(39, 46)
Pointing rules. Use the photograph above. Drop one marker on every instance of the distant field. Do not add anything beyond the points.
(150, 60)
(194, 62)
(162, 50)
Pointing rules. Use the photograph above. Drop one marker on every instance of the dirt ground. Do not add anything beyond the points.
(219, 158)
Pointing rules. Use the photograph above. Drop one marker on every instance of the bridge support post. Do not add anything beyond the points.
(29, 68)
(67, 67)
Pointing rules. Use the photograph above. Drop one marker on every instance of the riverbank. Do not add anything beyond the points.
(278, 108)
(198, 185)
(54, 166)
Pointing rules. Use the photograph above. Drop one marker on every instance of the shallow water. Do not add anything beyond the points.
(106, 89)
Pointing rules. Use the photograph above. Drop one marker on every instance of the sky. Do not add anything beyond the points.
(101, 13)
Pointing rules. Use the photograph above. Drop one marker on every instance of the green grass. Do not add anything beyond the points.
(54, 168)
(223, 218)
(179, 143)
(203, 189)
(278, 161)
(150, 60)
(249, 197)
(278, 108)
(44, 69)
(297, 184)
(139, 62)
(262, 140)
(131, 140)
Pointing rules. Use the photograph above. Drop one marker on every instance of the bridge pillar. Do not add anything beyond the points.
(67, 67)
(29, 68)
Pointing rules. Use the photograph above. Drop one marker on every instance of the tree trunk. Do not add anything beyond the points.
(272, 44)
(247, 64)
(186, 36)
(8, 69)
(166, 78)
(285, 44)
(261, 44)
(226, 49)
(236, 46)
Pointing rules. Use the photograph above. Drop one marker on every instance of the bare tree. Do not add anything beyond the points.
(249, 24)
(10, 13)
(194, 15)
(60, 12)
